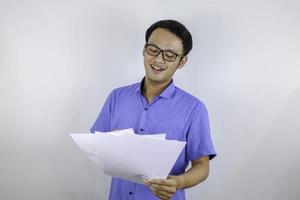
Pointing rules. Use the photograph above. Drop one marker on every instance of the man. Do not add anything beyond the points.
(155, 106)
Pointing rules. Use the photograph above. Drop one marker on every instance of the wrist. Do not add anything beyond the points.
(179, 182)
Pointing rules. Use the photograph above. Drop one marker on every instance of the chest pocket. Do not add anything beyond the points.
(173, 132)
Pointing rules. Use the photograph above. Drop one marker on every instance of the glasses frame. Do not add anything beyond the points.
(163, 53)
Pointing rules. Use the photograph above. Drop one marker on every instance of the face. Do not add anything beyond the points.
(159, 71)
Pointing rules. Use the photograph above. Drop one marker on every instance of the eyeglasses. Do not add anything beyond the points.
(167, 55)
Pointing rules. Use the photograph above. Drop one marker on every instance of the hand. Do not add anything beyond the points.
(163, 188)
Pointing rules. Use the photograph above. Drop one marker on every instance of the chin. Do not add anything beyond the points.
(156, 79)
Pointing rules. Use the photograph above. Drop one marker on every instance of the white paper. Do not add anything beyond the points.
(126, 155)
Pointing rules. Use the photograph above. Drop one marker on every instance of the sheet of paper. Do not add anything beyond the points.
(161, 136)
(127, 155)
(118, 132)
(93, 145)
(86, 142)
(136, 158)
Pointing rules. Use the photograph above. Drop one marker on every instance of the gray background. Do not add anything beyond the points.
(60, 59)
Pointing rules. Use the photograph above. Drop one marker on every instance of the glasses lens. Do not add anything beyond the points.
(169, 56)
(152, 50)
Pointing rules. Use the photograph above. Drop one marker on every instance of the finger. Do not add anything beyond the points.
(146, 182)
(163, 196)
(164, 188)
(166, 182)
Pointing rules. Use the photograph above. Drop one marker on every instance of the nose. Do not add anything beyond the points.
(159, 57)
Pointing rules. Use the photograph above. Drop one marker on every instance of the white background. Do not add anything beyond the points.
(60, 59)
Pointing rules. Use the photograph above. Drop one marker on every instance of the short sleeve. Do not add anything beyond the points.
(199, 142)
(103, 121)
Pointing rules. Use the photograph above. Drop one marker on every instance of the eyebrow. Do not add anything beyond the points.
(170, 50)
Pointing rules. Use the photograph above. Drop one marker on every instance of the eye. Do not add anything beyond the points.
(153, 49)
(170, 55)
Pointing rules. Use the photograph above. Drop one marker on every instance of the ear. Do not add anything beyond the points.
(182, 62)
(144, 51)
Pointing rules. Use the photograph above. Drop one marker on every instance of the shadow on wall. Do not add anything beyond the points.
(113, 43)
(274, 167)
(118, 42)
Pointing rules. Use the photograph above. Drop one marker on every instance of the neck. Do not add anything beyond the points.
(152, 89)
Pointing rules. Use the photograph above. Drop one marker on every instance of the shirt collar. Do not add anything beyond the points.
(168, 92)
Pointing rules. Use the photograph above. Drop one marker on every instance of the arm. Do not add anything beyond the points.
(195, 175)
(198, 143)
(165, 188)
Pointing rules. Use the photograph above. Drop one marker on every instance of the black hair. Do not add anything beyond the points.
(176, 28)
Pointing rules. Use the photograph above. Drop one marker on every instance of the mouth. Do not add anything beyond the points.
(156, 69)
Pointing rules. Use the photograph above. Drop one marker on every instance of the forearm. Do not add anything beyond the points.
(195, 175)
(165, 188)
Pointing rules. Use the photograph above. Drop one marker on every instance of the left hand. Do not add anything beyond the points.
(163, 188)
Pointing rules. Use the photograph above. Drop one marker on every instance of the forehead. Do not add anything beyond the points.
(164, 39)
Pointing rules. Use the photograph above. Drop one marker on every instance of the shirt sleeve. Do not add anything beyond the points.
(103, 121)
(199, 142)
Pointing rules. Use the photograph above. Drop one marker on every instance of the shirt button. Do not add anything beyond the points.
(145, 108)
(130, 193)
(141, 129)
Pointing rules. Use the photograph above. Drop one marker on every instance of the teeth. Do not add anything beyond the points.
(157, 68)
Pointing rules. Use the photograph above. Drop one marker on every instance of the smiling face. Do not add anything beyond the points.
(159, 71)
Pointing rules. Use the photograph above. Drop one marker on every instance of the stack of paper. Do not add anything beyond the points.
(126, 155)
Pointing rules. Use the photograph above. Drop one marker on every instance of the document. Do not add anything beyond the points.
(130, 156)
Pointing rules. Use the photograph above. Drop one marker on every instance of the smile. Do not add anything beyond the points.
(156, 69)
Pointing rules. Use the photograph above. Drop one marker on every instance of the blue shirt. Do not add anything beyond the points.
(174, 112)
